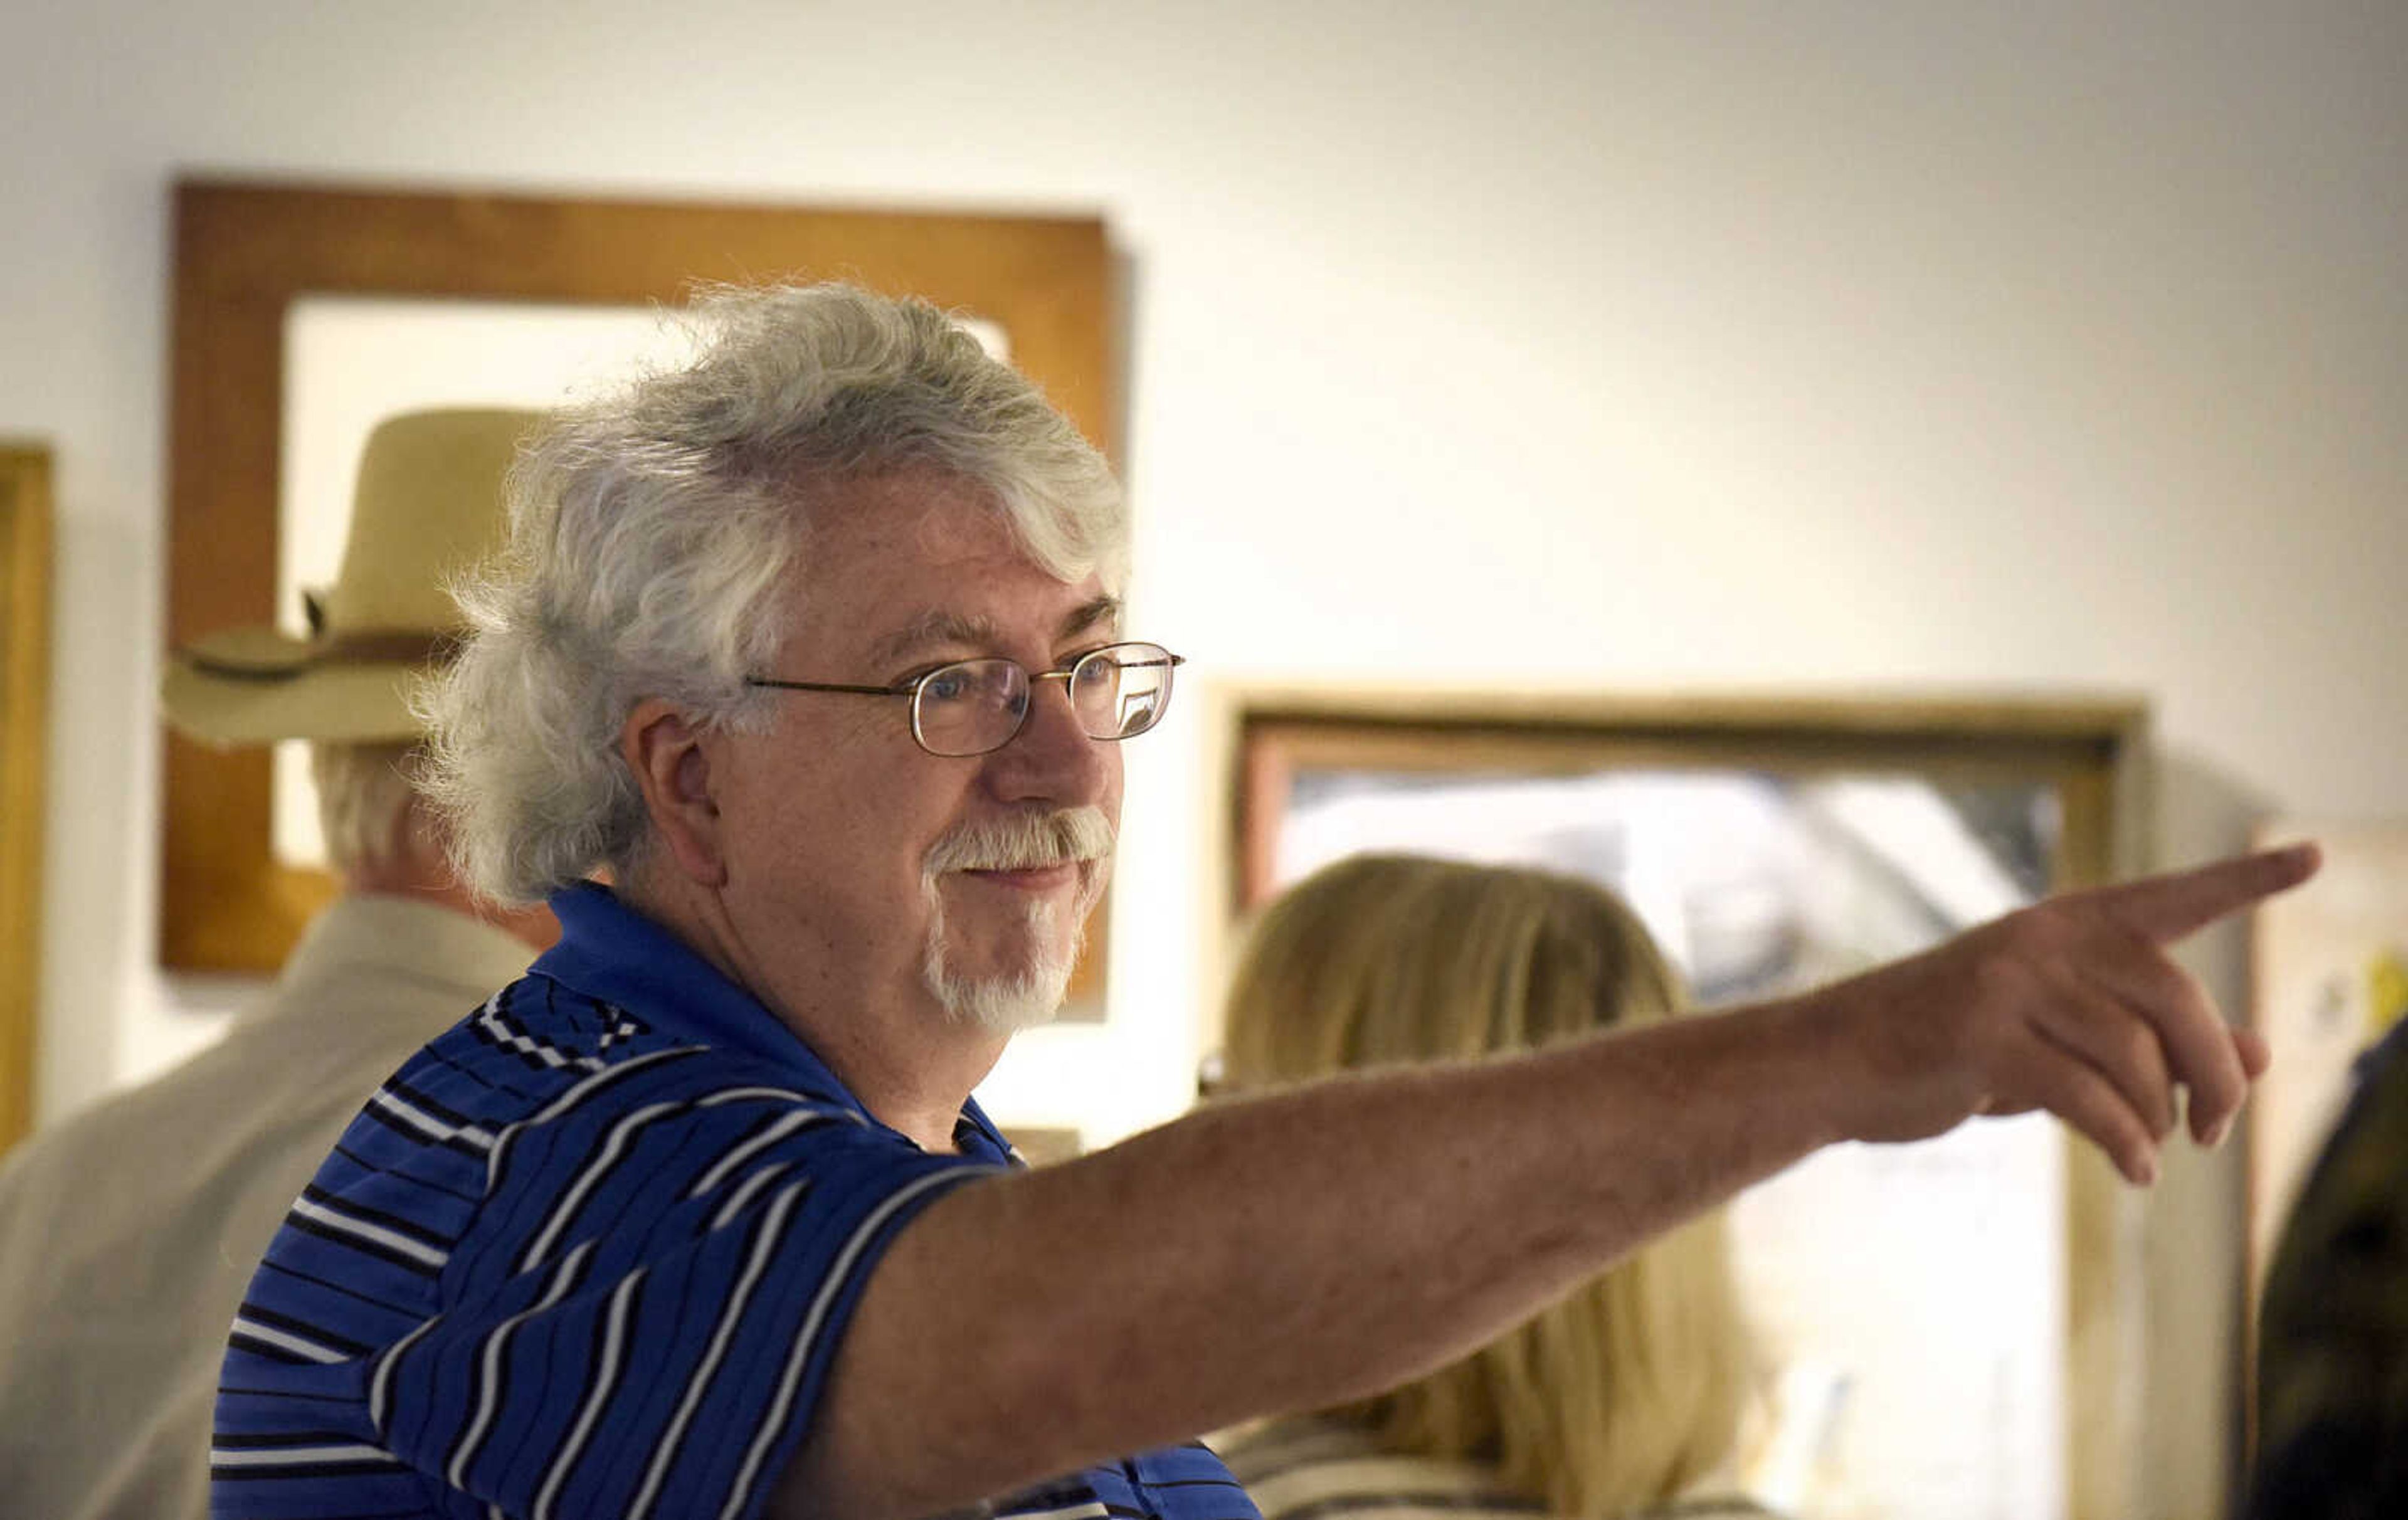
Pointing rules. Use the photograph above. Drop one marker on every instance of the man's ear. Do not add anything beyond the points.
(671, 763)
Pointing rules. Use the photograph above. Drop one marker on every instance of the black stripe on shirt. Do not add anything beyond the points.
(302, 1328)
(401, 1126)
(337, 1203)
(767, 1233)
(497, 1165)
(427, 1102)
(619, 1145)
(362, 1468)
(380, 1169)
(364, 1246)
(346, 1400)
(493, 1361)
(528, 1052)
(437, 1054)
(279, 1439)
(606, 1369)
(256, 1347)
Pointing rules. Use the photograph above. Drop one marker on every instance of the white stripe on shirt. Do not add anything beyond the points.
(288, 1341)
(390, 1239)
(771, 1133)
(606, 1384)
(489, 1377)
(665, 1449)
(614, 1149)
(278, 1456)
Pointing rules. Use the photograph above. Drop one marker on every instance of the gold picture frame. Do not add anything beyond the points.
(2090, 753)
(245, 251)
(24, 735)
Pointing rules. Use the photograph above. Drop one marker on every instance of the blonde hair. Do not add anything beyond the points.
(1630, 1389)
(363, 796)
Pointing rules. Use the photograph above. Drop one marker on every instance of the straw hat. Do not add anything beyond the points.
(428, 506)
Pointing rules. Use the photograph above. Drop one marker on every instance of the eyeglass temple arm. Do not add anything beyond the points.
(1168, 659)
(827, 686)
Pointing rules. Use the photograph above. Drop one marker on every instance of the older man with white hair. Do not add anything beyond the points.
(816, 649)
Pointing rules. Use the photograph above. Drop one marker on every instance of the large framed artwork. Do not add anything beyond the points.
(302, 314)
(1955, 1323)
(24, 733)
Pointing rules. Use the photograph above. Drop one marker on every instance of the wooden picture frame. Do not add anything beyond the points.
(2091, 753)
(244, 252)
(24, 735)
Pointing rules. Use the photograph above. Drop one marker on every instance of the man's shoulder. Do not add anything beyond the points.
(537, 1039)
(541, 1058)
(540, 1121)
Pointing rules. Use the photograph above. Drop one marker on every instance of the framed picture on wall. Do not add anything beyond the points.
(24, 735)
(304, 314)
(1952, 1320)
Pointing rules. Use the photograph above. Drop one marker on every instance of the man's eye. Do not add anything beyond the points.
(945, 686)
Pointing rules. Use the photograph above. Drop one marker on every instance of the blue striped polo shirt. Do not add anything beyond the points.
(589, 1253)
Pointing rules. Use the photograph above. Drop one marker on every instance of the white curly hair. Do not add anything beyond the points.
(652, 531)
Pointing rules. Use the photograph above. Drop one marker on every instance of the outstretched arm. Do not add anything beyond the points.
(1307, 1247)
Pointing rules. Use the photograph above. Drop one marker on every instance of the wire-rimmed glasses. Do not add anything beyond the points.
(971, 707)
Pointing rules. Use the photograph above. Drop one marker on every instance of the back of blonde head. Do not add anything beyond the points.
(1629, 1390)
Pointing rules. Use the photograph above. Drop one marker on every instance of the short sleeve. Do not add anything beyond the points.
(641, 1319)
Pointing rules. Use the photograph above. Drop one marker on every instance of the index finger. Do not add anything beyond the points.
(2181, 903)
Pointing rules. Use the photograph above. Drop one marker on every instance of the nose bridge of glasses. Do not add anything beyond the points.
(1011, 722)
(1070, 693)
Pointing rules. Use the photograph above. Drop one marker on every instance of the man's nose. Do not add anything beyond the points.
(1052, 759)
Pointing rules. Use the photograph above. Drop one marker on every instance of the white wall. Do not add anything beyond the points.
(1701, 345)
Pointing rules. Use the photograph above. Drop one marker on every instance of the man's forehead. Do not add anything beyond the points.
(909, 560)
(934, 626)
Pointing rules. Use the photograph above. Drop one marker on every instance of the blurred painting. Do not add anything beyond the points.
(1914, 1301)
(2328, 973)
(302, 314)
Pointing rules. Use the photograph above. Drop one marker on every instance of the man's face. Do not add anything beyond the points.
(863, 868)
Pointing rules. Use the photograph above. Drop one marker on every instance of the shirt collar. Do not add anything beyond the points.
(609, 951)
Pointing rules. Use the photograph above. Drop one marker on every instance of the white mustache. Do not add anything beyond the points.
(1024, 841)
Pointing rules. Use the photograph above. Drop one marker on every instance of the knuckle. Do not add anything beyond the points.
(2042, 924)
(2137, 1048)
(2219, 1089)
(2003, 978)
(2145, 961)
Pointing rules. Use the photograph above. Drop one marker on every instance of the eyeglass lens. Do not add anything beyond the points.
(974, 706)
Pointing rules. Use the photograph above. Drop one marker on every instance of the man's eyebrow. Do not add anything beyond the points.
(934, 628)
(1103, 612)
(939, 626)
